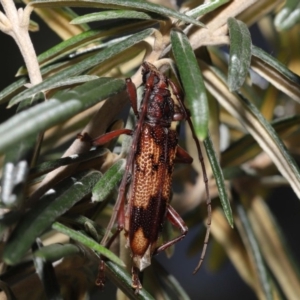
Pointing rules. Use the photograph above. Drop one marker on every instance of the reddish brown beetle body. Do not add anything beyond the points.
(150, 189)
(143, 203)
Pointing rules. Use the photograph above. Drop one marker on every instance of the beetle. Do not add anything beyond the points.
(143, 202)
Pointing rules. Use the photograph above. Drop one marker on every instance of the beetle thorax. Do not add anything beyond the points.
(160, 108)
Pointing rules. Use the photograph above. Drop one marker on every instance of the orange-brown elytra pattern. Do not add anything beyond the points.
(145, 191)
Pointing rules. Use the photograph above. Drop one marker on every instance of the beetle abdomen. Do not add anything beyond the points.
(151, 187)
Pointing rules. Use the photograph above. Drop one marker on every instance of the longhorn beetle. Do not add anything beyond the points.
(143, 202)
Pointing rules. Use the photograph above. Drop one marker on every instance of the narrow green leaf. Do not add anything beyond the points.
(30, 102)
(192, 81)
(245, 148)
(275, 63)
(276, 73)
(46, 273)
(240, 53)
(89, 62)
(86, 223)
(55, 252)
(12, 89)
(92, 92)
(48, 166)
(124, 282)
(63, 83)
(119, 4)
(8, 92)
(288, 16)
(284, 162)
(75, 43)
(70, 14)
(54, 111)
(34, 120)
(206, 8)
(115, 14)
(108, 181)
(37, 220)
(91, 231)
(87, 241)
(256, 252)
(218, 174)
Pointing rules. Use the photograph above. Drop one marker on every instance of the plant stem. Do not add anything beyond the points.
(15, 23)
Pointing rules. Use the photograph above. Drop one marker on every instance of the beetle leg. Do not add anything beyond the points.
(177, 221)
(107, 137)
(104, 138)
(187, 117)
(182, 156)
(100, 281)
(131, 90)
(136, 284)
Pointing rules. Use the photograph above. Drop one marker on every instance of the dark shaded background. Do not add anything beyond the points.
(224, 284)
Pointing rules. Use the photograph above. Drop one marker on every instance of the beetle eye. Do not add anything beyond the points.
(145, 76)
(156, 79)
